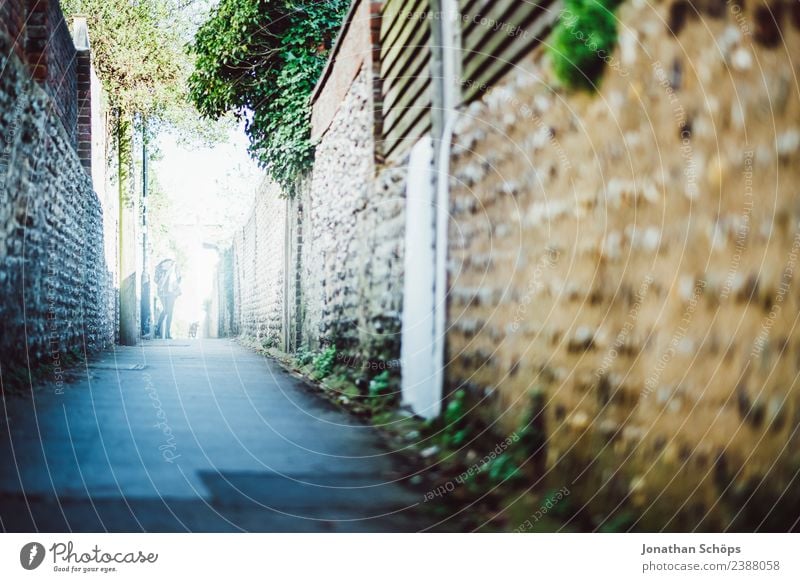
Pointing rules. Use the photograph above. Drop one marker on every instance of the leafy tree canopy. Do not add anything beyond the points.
(260, 59)
(135, 53)
(138, 51)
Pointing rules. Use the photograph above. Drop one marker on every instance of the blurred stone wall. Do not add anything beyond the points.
(625, 262)
(352, 253)
(329, 272)
(339, 191)
(258, 268)
(54, 281)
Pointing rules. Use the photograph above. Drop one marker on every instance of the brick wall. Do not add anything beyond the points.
(12, 23)
(83, 121)
(352, 213)
(357, 46)
(54, 281)
(352, 249)
(50, 55)
(41, 38)
(628, 259)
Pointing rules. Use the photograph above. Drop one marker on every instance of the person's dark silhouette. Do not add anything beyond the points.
(169, 288)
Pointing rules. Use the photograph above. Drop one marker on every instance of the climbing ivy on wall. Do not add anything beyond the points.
(260, 59)
(583, 41)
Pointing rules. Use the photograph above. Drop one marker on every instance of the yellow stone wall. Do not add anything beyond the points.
(631, 256)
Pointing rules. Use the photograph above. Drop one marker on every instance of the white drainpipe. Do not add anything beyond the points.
(418, 343)
(450, 95)
(427, 214)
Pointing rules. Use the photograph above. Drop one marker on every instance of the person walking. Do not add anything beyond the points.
(168, 281)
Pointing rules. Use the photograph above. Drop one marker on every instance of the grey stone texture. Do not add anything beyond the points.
(258, 265)
(337, 256)
(351, 272)
(341, 185)
(55, 290)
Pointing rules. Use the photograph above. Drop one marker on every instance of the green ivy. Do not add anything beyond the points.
(457, 429)
(260, 59)
(324, 362)
(583, 41)
(621, 522)
(456, 409)
(304, 356)
(380, 385)
(503, 468)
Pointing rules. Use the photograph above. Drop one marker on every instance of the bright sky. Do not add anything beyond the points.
(212, 191)
(208, 184)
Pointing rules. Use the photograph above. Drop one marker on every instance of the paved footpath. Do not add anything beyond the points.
(194, 435)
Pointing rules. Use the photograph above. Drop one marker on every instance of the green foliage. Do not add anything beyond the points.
(383, 392)
(139, 56)
(621, 522)
(503, 468)
(304, 356)
(525, 451)
(562, 507)
(379, 385)
(136, 51)
(324, 362)
(455, 410)
(583, 41)
(260, 60)
(458, 438)
(532, 437)
(457, 427)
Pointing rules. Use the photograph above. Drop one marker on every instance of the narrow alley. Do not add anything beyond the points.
(532, 266)
(194, 436)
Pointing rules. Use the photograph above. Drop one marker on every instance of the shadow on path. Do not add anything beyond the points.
(194, 436)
